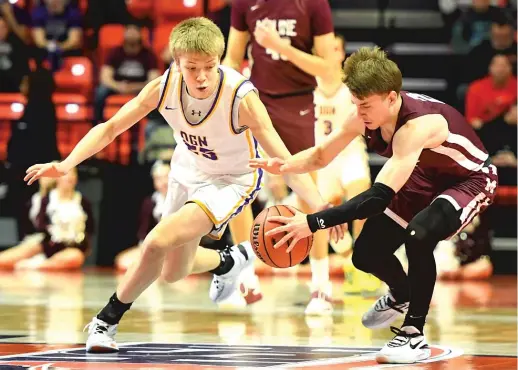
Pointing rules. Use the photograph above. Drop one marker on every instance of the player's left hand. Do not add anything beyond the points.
(269, 38)
(295, 227)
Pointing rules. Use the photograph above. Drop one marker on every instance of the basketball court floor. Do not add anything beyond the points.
(42, 315)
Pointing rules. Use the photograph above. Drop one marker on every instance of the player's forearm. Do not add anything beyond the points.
(308, 160)
(309, 63)
(93, 142)
(232, 63)
(304, 186)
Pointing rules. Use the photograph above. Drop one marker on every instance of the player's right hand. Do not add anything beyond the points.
(271, 165)
(38, 171)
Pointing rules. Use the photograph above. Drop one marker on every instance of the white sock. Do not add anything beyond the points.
(319, 272)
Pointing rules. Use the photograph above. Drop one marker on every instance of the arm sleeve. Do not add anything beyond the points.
(369, 203)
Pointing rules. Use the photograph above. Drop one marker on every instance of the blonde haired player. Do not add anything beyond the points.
(218, 121)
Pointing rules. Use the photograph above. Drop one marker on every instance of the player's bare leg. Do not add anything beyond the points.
(321, 302)
(176, 249)
(27, 249)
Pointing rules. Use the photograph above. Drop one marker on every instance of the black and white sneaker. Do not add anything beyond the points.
(408, 346)
(383, 312)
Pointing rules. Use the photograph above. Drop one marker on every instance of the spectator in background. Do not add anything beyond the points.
(14, 62)
(18, 20)
(501, 42)
(36, 129)
(127, 69)
(150, 214)
(57, 30)
(65, 218)
(473, 25)
(490, 103)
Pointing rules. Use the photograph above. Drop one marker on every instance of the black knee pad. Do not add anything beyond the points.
(435, 223)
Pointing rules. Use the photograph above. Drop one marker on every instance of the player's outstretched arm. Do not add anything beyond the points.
(319, 156)
(253, 114)
(236, 48)
(407, 144)
(103, 134)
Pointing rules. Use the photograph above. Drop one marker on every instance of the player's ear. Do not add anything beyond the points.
(177, 64)
(392, 97)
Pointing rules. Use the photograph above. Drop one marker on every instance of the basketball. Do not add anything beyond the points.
(263, 245)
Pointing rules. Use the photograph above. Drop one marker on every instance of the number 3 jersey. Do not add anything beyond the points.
(207, 132)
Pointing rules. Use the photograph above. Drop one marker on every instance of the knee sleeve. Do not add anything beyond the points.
(433, 224)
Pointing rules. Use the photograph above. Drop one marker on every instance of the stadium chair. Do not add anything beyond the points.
(8, 98)
(75, 76)
(20, 3)
(112, 35)
(167, 10)
(11, 111)
(64, 98)
(5, 134)
(161, 40)
(140, 8)
(118, 101)
(73, 112)
(215, 5)
(506, 195)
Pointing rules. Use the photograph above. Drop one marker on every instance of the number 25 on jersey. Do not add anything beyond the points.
(198, 145)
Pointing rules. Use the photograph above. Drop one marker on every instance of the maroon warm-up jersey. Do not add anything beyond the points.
(297, 21)
(459, 170)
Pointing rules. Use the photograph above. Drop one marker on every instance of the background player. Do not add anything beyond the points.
(437, 179)
(282, 34)
(349, 173)
(210, 179)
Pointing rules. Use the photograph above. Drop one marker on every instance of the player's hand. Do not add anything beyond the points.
(269, 38)
(271, 165)
(336, 233)
(44, 170)
(296, 228)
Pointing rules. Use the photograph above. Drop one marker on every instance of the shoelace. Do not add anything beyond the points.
(386, 301)
(99, 328)
(401, 338)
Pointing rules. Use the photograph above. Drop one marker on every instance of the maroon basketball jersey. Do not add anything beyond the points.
(297, 21)
(457, 158)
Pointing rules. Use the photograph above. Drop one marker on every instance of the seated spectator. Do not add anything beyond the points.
(14, 61)
(501, 42)
(36, 129)
(18, 20)
(488, 102)
(57, 30)
(473, 25)
(127, 69)
(150, 214)
(65, 218)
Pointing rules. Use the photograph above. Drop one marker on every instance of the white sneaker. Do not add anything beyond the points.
(407, 347)
(101, 337)
(223, 286)
(383, 312)
(250, 289)
(321, 303)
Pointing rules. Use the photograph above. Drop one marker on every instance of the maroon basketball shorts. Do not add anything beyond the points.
(472, 196)
(293, 118)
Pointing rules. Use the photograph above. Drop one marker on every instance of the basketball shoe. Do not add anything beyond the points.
(223, 286)
(101, 337)
(408, 346)
(383, 312)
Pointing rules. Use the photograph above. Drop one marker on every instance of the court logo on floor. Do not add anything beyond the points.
(190, 356)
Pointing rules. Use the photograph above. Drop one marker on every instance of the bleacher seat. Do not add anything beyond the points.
(75, 76)
(5, 134)
(215, 5)
(112, 35)
(167, 10)
(140, 8)
(65, 98)
(73, 112)
(161, 40)
(117, 100)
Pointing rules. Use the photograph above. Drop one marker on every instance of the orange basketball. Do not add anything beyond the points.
(263, 245)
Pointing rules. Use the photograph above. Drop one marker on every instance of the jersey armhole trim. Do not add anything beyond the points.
(165, 89)
(234, 128)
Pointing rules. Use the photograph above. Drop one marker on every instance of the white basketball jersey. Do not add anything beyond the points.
(214, 143)
(329, 111)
